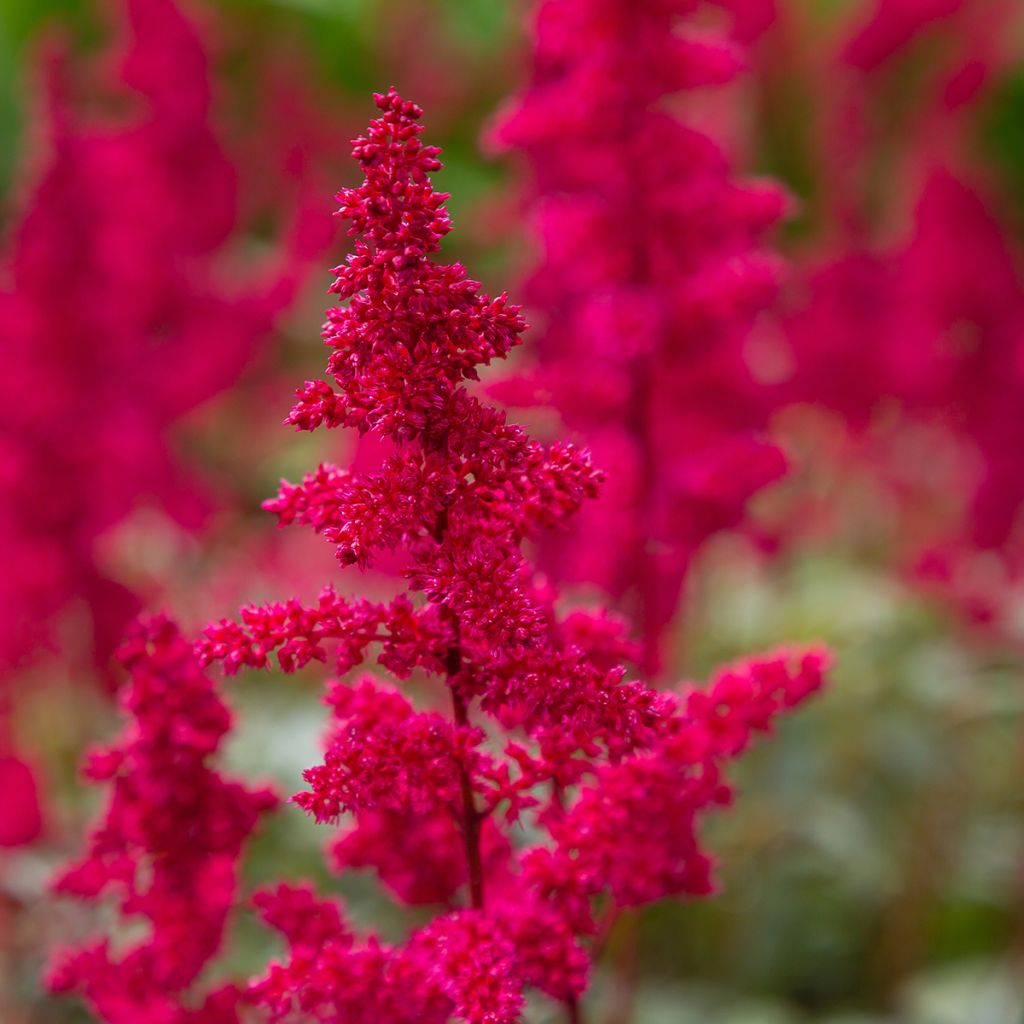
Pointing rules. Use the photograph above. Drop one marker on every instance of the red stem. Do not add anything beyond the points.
(470, 814)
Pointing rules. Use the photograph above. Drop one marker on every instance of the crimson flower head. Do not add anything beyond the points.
(520, 716)
(398, 366)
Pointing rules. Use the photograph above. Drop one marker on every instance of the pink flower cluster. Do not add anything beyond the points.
(507, 811)
(121, 313)
(653, 268)
(921, 333)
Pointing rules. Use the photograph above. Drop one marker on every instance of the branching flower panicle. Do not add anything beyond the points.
(530, 718)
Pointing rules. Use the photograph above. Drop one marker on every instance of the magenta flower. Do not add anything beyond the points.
(120, 316)
(652, 270)
(891, 335)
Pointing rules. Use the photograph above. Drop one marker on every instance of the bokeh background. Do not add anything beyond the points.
(873, 868)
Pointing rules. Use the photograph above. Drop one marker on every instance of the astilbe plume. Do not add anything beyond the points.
(543, 728)
(893, 333)
(167, 847)
(653, 268)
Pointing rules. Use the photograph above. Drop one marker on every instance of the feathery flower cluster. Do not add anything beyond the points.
(653, 269)
(543, 730)
(168, 844)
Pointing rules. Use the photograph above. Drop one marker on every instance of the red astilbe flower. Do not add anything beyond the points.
(544, 724)
(167, 846)
(651, 273)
